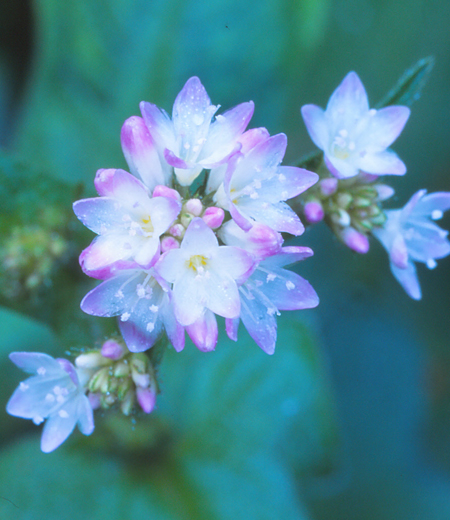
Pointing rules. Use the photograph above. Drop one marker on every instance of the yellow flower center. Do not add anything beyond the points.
(197, 263)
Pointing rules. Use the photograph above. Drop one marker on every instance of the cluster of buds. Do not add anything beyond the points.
(117, 377)
(351, 207)
(191, 208)
(28, 257)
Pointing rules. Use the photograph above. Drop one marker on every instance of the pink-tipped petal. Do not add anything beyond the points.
(140, 152)
(204, 332)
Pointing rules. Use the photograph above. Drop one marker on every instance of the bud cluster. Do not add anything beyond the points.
(352, 207)
(115, 376)
(28, 256)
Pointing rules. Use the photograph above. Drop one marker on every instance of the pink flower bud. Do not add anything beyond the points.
(328, 186)
(177, 230)
(314, 212)
(112, 349)
(355, 240)
(168, 243)
(213, 217)
(164, 191)
(194, 207)
(146, 398)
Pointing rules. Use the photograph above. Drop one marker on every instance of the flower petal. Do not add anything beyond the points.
(224, 133)
(382, 163)
(141, 153)
(203, 332)
(85, 416)
(59, 426)
(101, 214)
(349, 101)
(260, 324)
(32, 361)
(316, 124)
(384, 127)
(408, 280)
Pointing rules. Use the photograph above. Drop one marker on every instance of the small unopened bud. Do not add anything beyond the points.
(177, 230)
(186, 219)
(127, 403)
(113, 350)
(99, 381)
(328, 186)
(355, 240)
(91, 360)
(341, 217)
(124, 387)
(139, 370)
(146, 398)
(121, 370)
(344, 199)
(314, 211)
(213, 217)
(168, 243)
(379, 219)
(194, 207)
(361, 202)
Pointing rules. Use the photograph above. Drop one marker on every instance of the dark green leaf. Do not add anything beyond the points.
(238, 401)
(409, 87)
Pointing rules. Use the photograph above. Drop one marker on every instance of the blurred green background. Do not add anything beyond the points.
(350, 419)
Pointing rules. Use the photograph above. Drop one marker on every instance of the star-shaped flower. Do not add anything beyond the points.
(353, 137)
(409, 236)
(55, 394)
(255, 187)
(204, 275)
(190, 141)
(128, 222)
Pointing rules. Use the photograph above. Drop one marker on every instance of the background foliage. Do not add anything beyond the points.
(350, 419)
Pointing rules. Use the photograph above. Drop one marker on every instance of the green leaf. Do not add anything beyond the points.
(237, 407)
(312, 161)
(409, 87)
(40, 242)
(74, 485)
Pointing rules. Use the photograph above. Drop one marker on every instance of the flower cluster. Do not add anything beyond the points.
(65, 395)
(194, 230)
(349, 196)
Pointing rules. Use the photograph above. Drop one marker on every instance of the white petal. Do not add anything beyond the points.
(316, 124)
(59, 426)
